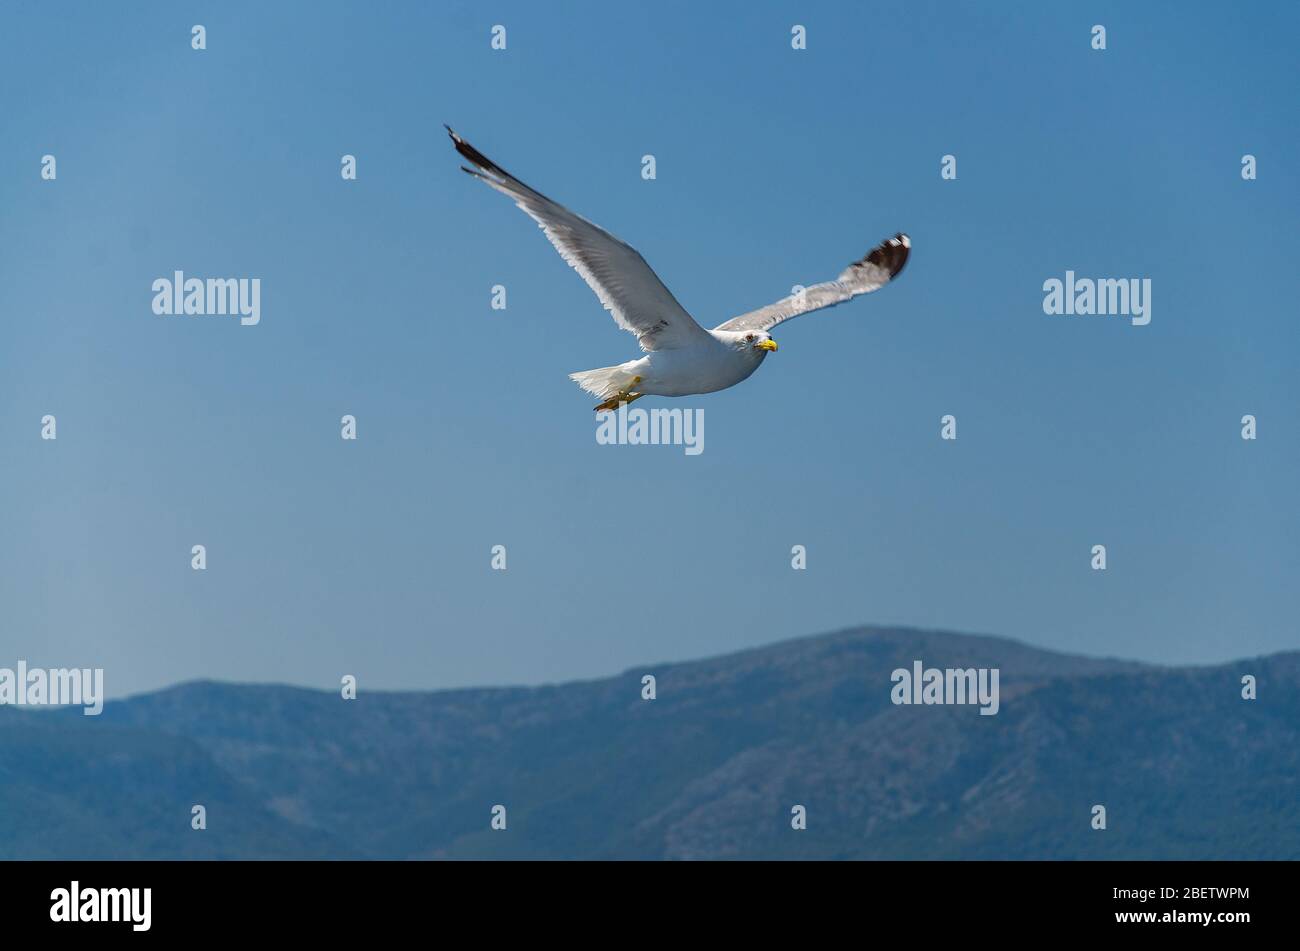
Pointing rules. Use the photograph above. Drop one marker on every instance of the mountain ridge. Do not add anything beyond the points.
(784, 642)
(709, 769)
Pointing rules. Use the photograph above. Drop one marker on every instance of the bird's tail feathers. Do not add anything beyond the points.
(605, 382)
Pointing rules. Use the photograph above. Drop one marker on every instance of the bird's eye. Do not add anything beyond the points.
(750, 338)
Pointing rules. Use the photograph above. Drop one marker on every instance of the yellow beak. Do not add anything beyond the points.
(766, 345)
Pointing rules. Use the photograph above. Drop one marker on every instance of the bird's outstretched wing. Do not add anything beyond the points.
(625, 284)
(873, 272)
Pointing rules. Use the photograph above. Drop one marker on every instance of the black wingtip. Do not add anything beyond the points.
(891, 254)
(474, 156)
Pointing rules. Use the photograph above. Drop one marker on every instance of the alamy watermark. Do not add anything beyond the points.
(1104, 297)
(951, 685)
(54, 687)
(214, 297)
(77, 903)
(654, 427)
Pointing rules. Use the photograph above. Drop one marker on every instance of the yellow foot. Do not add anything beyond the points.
(613, 401)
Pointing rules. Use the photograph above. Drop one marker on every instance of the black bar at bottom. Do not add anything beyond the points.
(1180, 900)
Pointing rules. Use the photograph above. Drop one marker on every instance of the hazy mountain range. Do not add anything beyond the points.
(709, 769)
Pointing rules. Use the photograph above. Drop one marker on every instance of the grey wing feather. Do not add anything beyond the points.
(615, 271)
(873, 272)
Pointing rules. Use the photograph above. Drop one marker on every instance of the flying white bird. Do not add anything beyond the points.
(681, 357)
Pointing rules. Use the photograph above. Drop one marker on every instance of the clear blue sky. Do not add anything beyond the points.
(775, 167)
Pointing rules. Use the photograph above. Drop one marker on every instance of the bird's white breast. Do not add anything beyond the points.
(705, 368)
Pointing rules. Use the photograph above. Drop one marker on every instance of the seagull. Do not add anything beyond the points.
(681, 357)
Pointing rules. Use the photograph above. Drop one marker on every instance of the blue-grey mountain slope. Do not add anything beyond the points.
(710, 769)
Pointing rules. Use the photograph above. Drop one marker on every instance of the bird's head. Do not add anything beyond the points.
(757, 341)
